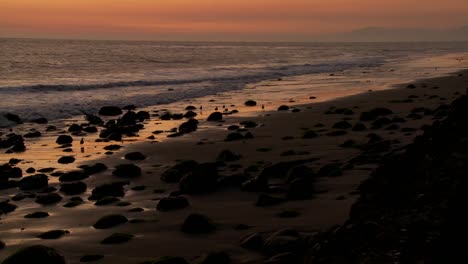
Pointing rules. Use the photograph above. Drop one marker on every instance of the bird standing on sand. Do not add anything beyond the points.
(216, 108)
(82, 141)
(263, 107)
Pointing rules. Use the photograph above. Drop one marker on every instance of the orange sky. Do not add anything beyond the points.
(219, 19)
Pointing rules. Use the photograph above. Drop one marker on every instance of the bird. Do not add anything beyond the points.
(263, 107)
(82, 141)
(216, 108)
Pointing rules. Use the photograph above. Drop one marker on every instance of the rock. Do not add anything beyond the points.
(234, 136)
(34, 134)
(73, 188)
(2, 245)
(117, 238)
(168, 260)
(190, 108)
(233, 127)
(217, 258)
(34, 182)
(283, 108)
(249, 124)
(66, 160)
(253, 242)
(64, 139)
(37, 215)
(375, 113)
(91, 258)
(197, 224)
(300, 189)
(178, 171)
(143, 115)
(189, 126)
(283, 258)
(110, 111)
(227, 156)
(7, 172)
(35, 254)
(6, 207)
(250, 103)
(172, 203)
(40, 120)
(265, 200)
(110, 221)
(90, 129)
(75, 128)
(53, 234)
(202, 179)
(310, 134)
(342, 125)
(256, 184)
(411, 86)
(135, 156)
(106, 201)
(77, 175)
(215, 116)
(108, 190)
(190, 114)
(330, 170)
(93, 169)
(127, 170)
(13, 118)
(50, 198)
(359, 127)
(279, 243)
(31, 170)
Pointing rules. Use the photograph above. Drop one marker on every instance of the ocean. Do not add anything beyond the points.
(61, 78)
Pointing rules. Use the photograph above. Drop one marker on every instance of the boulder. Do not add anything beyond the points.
(66, 160)
(110, 221)
(178, 171)
(202, 179)
(110, 111)
(73, 188)
(117, 238)
(64, 139)
(50, 198)
(215, 116)
(127, 171)
(197, 224)
(35, 254)
(172, 203)
(283, 108)
(34, 182)
(250, 103)
(53, 234)
(7, 207)
(135, 156)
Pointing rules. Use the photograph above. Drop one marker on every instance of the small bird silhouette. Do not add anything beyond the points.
(263, 106)
(82, 141)
(216, 108)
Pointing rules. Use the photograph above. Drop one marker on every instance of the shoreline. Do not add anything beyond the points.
(268, 145)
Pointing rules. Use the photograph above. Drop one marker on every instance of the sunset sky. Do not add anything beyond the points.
(220, 19)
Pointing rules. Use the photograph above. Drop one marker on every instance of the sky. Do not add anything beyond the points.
(220, 19)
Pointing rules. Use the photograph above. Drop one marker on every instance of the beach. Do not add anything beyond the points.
(264, 169)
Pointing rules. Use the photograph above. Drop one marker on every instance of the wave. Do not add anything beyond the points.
(246, 75)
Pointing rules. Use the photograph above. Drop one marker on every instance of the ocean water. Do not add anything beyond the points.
(61, 78)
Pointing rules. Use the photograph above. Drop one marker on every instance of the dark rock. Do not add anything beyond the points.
(172, 203)
(337, 133)
(6, 207)
(73, 188)
(310, 134)
(256, 184)
(34, 182)
(112, 147)
(216, 258)
(50, 198)
(190, 114)
(250, 103)
(227, 156)
(375, 113)
(203, 178)
(64, 139)
(135, 156)
(106, 201)
(330, 170)
(108, 190)
(197, 224)
(300, 189)
(34, 134)
(253, 242)
(215, 116)
(359, 127)
(178, 171)
(283, 258)
(93, 169)
(75, 128)
(91, 258)
(37, 215)
(40, 120)
(35, 254)
(90, 129)
(117, 238)
(77, 175)
(265, 200)
(234, 136)
(30, 170)
(168, 260)
(283, 108)
(127, 171)
(249, 124)
(190, 108)
(53, 234)
(110, 111)
(66, 160)
(342, 125)
(110, 221)
(189, 126)
(13, 118)
(143, 115)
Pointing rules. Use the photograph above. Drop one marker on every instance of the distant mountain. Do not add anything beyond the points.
(402, 34)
